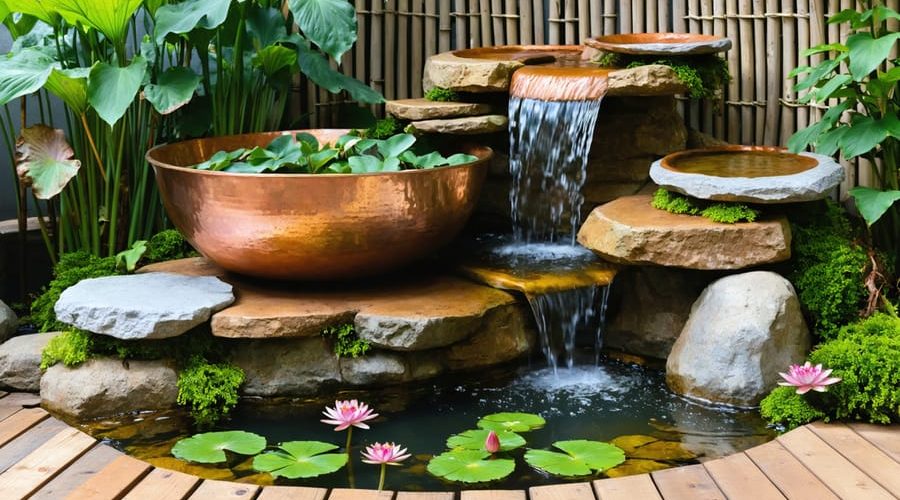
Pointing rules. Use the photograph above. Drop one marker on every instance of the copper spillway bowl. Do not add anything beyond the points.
(313, 227)
(660, 43)
(738, 161)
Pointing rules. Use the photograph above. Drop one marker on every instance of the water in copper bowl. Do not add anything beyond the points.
(739, 162)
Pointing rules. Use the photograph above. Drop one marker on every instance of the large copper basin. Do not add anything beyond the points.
(313, 227)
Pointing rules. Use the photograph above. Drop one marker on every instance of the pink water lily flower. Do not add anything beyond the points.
(384, 454)
(348, 413)
(492, 442)
(808, 378)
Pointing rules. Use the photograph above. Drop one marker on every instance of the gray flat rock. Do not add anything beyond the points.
(20, 361)
(143, 306)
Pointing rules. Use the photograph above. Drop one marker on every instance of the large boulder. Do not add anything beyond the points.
(20, 361)
(104, 387)
(143, 306)
(742, 331)
(8, 322)
(286, 367)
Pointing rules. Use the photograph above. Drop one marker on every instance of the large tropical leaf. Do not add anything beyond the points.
(183, 17)
(112, 89)
(298, 459)
(867, 53)
(474, 440)
(864, 134)
(872, 203)
(45, 160)
(470, 466)
(319, 71)
(34, 8)
(23, 73)
(512, 421)
(580, 458)
(274, 58)
(174, 89)
(209, 448)
(110, 17)
(4, 10)
(266, 26)
(70, 85)
(330, 24)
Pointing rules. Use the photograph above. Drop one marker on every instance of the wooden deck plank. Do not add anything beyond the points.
(30, 440)
(863, 454)
(638, 487)
(41, 465)
(163, 484)
(215, 490)
(787, 473)
(422, 495)
(842, 477)
(291, 493)
(111, 481)
(15, 402)
(352, 494)
(739, 478)
(77, 473)
(574, 491)
(19, 422)
(493, 495)
(885, 438)
(690, 482)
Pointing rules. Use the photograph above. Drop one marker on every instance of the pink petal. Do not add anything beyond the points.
(803, 389)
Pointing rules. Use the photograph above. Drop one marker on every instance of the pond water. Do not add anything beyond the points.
(586, 402)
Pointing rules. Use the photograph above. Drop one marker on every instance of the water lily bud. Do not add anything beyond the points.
(492, 443)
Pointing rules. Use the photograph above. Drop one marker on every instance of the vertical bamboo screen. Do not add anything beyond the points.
(396, 36)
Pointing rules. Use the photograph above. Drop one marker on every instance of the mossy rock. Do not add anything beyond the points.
(633, 467)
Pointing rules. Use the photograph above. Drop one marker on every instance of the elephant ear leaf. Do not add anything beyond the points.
(175, 89)
(23, 73)
(330, 24)
(45, 160)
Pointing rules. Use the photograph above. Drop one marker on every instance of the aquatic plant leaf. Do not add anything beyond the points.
(23, 73)
(474, 440)
(45, 160)
(209, 447)
(318, 69)
(581, 457)
(330, 24)
(301, 459)
(174, 89)
(127, 259)
(515, 422)
(182, 17)
(460, 159)
(112, 89)
(396, 145)
(470, 466)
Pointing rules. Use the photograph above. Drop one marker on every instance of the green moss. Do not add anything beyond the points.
(786, 408)
(210, 390)
(71, 268)
(439, 94)
(703, 75)
(722, 212)
(347, 343)
(829, 267)
(167, 245)
(70, 348)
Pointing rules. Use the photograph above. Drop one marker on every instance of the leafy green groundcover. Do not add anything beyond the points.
(722, 212)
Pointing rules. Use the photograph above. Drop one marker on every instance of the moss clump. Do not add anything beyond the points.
(210, 390)
(786, 408)
(71, 268)
(829, 267)
(347, 343)
(70, 348)
(167, 245)
(703, 75)
(439, 94)
(722, 212)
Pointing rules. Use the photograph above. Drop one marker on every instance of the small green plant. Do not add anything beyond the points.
(347, 343)
(71, 268)
(439, 94)
(71, 348)
(210, 390)
(167, 245)
(784, 407)
(722, 212)
(383, 128)
(703, 75)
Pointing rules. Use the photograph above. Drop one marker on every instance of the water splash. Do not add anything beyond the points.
(559, 316)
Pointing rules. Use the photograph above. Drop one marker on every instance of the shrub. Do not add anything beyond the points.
(785, 407)
(209, 390)
(71, 268)
(347, 343)
(722, 212)
(439, 94)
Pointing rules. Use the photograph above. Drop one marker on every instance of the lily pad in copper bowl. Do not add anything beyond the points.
(679, 44)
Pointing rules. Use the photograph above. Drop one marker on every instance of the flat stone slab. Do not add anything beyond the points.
(143, 306)
(401, 314)
(423, 109)
(630, 231)
(813, 184)
(470, 125)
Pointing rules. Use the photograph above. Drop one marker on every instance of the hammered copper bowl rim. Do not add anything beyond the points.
(667, 161)
(150, 157)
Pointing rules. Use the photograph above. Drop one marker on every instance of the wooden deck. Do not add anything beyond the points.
(41, 457)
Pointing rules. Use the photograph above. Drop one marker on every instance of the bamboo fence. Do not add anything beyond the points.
(758, 107)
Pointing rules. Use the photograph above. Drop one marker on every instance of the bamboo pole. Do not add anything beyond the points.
(474, 27)
(537, 13)
(595, 13)
(692, 109)
(497, 24)
(625, 16)
(445, 29)
(791, 44)
(461, 21)
(553, 29)
(734, 87)
(650, 20)
(584, 20)
(400, 69)
(706, 26)
(569, 23)
(719, 30)
(419, 22)
(484, 15)
(390, 49)
(769, 121)
(526, 33)
(376, 68)
(512, 22)
(609, 17)
(359, 53)
(637, 16)
(760, 82)
(664, 18)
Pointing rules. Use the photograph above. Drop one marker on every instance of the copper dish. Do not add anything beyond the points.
(678, 44)
(313, 227)
(739, 161)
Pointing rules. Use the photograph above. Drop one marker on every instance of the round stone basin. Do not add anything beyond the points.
(753, 174)
(660, 43)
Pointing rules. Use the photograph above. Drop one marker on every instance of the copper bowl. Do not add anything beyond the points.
(313, 227)
(660, 43)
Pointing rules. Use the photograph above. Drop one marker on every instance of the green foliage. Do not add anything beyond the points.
(581, 457)
(470, 466)
(382, 129)
(784, 407)
(829, 267)
(723, 212)
(167, 245)
(474, 439)
(71, 348)
(703, 75)
(347, 343)
(301, 459)
(71, 268)
(439, 94)
(210, 447)
(511, 421)
(866, 356)
(209, 390)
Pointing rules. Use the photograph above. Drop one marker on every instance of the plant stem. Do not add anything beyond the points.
(349, 435)
(90, 138)
(381, 479)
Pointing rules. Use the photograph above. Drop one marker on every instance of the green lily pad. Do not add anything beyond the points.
(581, 457)
(515, 422)
(470, 466)
(474, 440)
(301, 459)
(209, 448)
